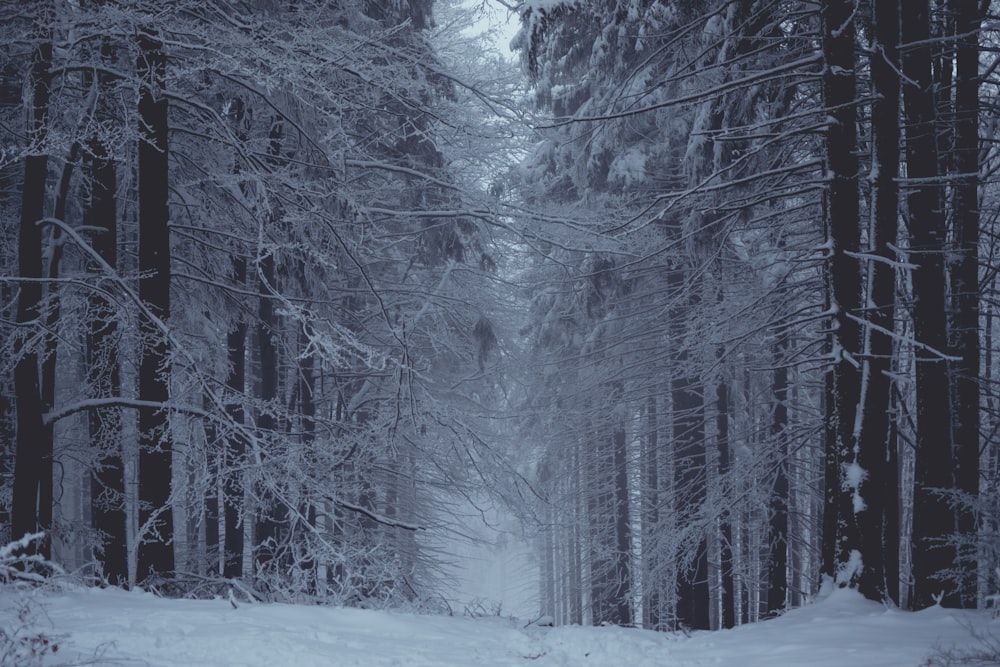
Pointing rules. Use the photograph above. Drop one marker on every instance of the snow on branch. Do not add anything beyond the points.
(7, 550)
(14, 554)
(53, 416)
(378, 518)
(896, 264)
(754, 79)
(903, 339)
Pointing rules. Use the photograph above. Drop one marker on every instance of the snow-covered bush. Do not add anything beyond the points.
(984, 650)
(22, 644)
(18, 562)
(480, 608)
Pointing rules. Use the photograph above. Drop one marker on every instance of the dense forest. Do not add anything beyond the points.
(703, 292)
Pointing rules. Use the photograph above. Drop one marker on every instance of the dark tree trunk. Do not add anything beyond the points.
(611, 584)
(839, 98)
(108, 480)
(10, 194)
(31, 509)
(623, 538)
(964, 276)
(307, 389)
(831, 467)
(726, 564)
(879, 522)
(942, 32)
(214, 563)
(269, 517)
(271, 514)
(235, 446)
(777, 583)
(51, 350)
(107, 488)
(234, 454)
(155, 554)
(690, 461)
(652, 578)
(933, 519)
(690, 484)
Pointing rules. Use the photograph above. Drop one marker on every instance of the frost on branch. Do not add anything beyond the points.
(17, 563)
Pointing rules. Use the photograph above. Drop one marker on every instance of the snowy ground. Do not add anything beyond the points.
(132, 629)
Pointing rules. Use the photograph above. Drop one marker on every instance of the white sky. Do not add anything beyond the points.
(495, 16)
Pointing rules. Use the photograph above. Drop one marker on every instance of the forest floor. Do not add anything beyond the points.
(113, 627)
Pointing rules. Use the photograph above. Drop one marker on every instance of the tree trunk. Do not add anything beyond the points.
(964, 275)
(234, 457)
(777, 582)
(10, 194)
(271, 515)
(107, 487)
(623, 526)
(31, 509)
(726, 560)
(689, 436)
(234, 454)
(610, 567)
(108, 478)
(879, 522)
(307, 511)
(839, 97)
(50, 353)
(212, 511)
(155, 554)
(652, 576)
(933, 519)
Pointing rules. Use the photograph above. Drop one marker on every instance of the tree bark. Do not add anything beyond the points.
(933, 519)
(31, 509)
(689, 435)
(234, 457)
(107, 489)
(623, 526)
(50, 350)
(652, 575)
(108, 477)
(777, 582)
(307, 510)
(964, 279)
(879, 522)
(234, 452)
(726, 560)
(610, 566)
(213, 508)
(271, 514)
(155, 553)
(844, 288)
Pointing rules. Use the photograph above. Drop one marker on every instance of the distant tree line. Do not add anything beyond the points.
(245, 289)
(763, 316)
